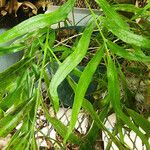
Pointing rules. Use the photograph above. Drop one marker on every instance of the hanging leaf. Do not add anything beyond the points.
(11, 49)
(84, 81)
(60, 127)
(69, 64)
(114, 94)
(11, 120)
(37, 22)
(120, 51)
(139, 120)
(127, 36)
(127, 8)
(90, 110)
(111, 14)
(119, 28)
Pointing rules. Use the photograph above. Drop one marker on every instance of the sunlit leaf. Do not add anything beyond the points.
(37, 22)
(84, 81)
(111, 14)
(9, 76)
(118, 27)
(120, 51)
(127, 36)
(90, 110)
(114, 93)
(11, 49)
(11, 120)
(69, 64)
(127, 8)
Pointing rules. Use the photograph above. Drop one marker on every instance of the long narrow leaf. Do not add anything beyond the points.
(139, 120)
(114, 93)
(37, 22)
(60, 127)
(82, 86)
(69, 64)
(8, 122)
(118, 27)
(127, 36)
(89, 108)
(11, 49)
(111, 14)
(126, 54)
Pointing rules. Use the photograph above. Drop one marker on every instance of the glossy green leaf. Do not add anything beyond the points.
(120, 51)
(114, 93)
(119, 28)
(111, 14)
(69, 64)
(113, 84)
(140, 121)
(89, 108)
(127, 8)
(11, 120)
(11, 49)
(37, 22)
(9, 76)
(84, 81)
(127, 36)
(59, 126)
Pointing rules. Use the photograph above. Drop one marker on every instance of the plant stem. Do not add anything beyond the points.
(38, 95)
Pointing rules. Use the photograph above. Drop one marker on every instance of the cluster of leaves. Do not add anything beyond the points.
(117, 38)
